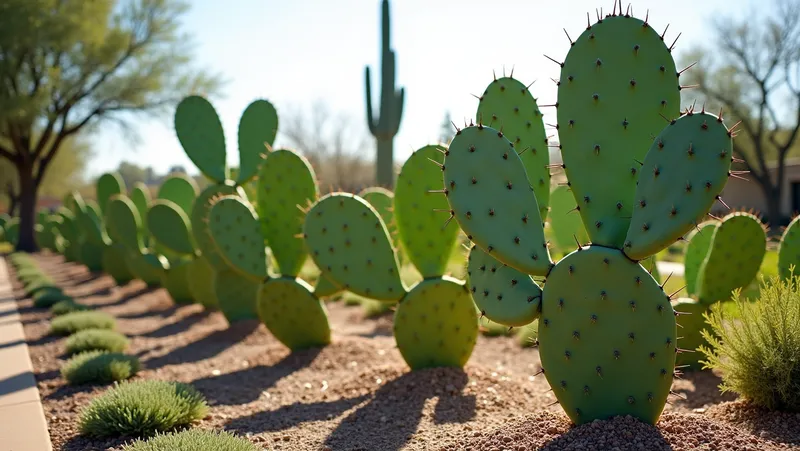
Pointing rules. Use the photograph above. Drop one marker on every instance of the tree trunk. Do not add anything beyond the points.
(774, 216)
(27, 209)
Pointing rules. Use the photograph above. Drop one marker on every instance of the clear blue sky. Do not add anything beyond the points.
(296, 52)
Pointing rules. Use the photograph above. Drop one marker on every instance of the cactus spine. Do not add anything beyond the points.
(385, 127)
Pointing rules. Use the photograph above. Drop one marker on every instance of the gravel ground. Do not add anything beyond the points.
(357, 393)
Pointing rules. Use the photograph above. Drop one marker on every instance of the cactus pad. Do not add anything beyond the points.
(789, 250)
(607, 337)
(170, 226)
(496, 208)
(737, 249)
(427, 240)
(258, 127)
(286, 183)
(565, 221)
(693, 152)
(124, 223)
(292, 314)
(200, 133)
(236, 295)
(382, 200)
(199, 221)
(436, 324)
(690, 325)
(502, 294)
(108, 185)
(180, 189)
(696, 251)
(176, 281)
(140, 195)
(617, 84)
(507, 105)
(115, 263)
(349, 242)
(201, 274)
(325, 287)
(149, 268)
(235, 231)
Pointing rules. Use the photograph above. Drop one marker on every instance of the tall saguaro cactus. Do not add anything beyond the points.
(391, 108)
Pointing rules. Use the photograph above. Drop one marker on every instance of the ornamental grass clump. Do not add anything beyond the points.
(99, 367)
(68, 305)
(142, 408)
(192, 440)
(758, 352)
(73, 322)
(96, 340)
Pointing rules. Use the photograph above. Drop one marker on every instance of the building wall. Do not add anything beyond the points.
(748, 194)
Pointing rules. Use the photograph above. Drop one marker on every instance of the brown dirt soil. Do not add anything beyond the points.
(358, 395)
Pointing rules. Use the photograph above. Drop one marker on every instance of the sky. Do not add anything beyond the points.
(295, 53)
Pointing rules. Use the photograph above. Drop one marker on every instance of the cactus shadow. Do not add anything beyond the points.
(397, 406)
(706, 390)
(182, 325)
(246, 385)
(129, 296)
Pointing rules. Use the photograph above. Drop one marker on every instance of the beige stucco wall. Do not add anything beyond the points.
(748, 194)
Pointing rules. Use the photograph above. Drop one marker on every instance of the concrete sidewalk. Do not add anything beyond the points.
(23, 426)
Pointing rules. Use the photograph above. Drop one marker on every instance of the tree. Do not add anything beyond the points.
(72, 65)
(131, 173)
(753, 74)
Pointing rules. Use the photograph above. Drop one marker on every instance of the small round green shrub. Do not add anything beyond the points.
(72, 322)
(192, 440)
(142, 408)
(48, 296)
(96, 340)
(67, 306)
(38, 283)
(99, 367)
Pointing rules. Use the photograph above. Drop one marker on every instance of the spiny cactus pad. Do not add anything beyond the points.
(436, 324)
(693, 151)
(349, 242)
(496, 208)
(180, 189)
(108, 185)
(325, 287)
(236, 295)
(607, 337)
(258, 127)
(617, 84)
(149, 267)
(565, 221)
(696, 252)
(176, 281)
(690, 325)
(199, 221)
(789, 250)
(202, 286)
(502, 294)
(169, 225)
(200, 133)
(736, 252)
(507, 105)
(286, 183)
(382, 200)
(124, 223)
(235, 231)
(292, 314)
(418, 209)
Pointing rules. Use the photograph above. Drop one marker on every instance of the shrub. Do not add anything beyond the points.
(67, 306)
(192, 440)
(96, 340)
(759, 352)
(99, 367)
(142, 408)
(39, 283)
(48, 296)
(72, 322)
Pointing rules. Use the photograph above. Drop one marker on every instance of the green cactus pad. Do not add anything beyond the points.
(236, 233)
(684, 172)
(607, 337)
(91, 255)
(789, 250)
(169, 225)
(426, 235)
(108, 185)
(325, 287)
(349, 242)
(180, 189)
(200, 133)
(292, 314)
(497, 208)
(148, 267)
(696, 252)
(199, 221)
(617, 84)
(502, 294)
(124, 223)
(382, 200)
(257, 130)
(236, 295)
(737, 249)
(436, 324)
(140, 195)
(202, 274)
(507, 105)
(690, 326)
(286, 183)
(115, 263)
(91, 228)
(565, 221)
(176, 281)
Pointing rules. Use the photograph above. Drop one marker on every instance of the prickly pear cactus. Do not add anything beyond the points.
(789, 250)
(125, 228)
(566, 226)
(435, 324)
(696, 251)
(108, 185)
(606, 329)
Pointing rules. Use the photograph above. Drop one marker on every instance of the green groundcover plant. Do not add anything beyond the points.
(99, 367)
(758, 352)
(73, 322)
(142, 408)
(96, 339)
(67, 306)
(192, 440)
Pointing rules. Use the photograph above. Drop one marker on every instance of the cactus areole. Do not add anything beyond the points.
(385, 127)
(643, 174)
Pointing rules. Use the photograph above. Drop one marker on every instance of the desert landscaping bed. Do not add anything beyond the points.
(357, 393)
